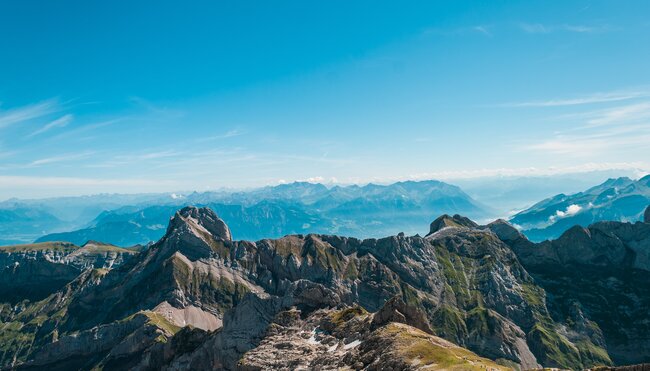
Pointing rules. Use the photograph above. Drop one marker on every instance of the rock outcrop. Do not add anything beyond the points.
(395, 310)
(36, 270)
(608, 258)
(330, 301)
(446, 221)
(646, 215)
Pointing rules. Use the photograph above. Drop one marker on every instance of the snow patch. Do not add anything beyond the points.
(312, 338)
(352, 344)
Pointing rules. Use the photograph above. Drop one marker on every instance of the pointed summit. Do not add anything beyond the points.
(199, 221)
(445, 221)
(505, 231)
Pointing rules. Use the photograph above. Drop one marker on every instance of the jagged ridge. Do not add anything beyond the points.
(467, 283)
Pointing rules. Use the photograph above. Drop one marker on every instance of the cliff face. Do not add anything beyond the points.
(250, 305)
(37, 270)
(596, 275)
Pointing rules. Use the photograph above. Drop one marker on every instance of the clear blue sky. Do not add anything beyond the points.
(100, 96)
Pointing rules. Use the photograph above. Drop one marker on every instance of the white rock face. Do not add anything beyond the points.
(189, 315)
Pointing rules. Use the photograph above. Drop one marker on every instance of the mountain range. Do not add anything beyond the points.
(621, 199)
(463, 297)
(362, 211)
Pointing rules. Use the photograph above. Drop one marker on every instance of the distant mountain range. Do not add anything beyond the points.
(360, 211)
(621, 199)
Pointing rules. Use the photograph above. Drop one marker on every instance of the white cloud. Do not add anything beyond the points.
(58, 123)
(228, 134)
(570, 211)
(10, 181)
(637, 167)
(534, 28)
(615, 96)
(25, 113)
(482, 29)
(538, 28)
(62, 158)
(315, 179)
(44, 186)
(574, 146)
(150, 155)
(627, 113)
(589, 133)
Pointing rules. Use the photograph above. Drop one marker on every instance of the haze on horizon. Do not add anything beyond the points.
(152, 97)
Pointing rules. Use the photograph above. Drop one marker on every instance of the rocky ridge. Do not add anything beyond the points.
(36, 270)
(217, 303)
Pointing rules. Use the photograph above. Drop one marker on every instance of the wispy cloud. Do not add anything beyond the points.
(29, 112)
(148, 155)
(229, 134)
(481, 29)
(589, 133)
(539, 28)
(587, 99)
(58, 123)
(61, 158)
(42, 182)
(640, 168)
(87, 127)
(5, 154)
(156, 108)
(622, 114)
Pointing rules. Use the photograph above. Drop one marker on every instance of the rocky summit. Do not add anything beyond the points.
(464, 297)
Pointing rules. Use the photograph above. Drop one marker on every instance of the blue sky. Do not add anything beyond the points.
(158, 96)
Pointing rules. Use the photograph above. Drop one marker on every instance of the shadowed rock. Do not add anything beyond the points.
(395, 310)
(445, 221)
(202, 218)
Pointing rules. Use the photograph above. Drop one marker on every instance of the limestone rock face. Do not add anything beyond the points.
(199, 221)
(395, 310)
(451, 221)
(463, 292)
(36, 270)
(345, 339)
(611, 258)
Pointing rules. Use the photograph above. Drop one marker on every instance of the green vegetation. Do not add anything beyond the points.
(351, 271)
(289, 245)
(449, 323)
(161, 322)
(15, 342)
(93, 247)
(555, 350)
(534, 296)
(325, 255)
(344, 315)
(418, 348)
(592, 355)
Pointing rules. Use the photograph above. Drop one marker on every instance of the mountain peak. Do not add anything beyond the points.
(200, 219)
(505, 231)
(451, 221)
